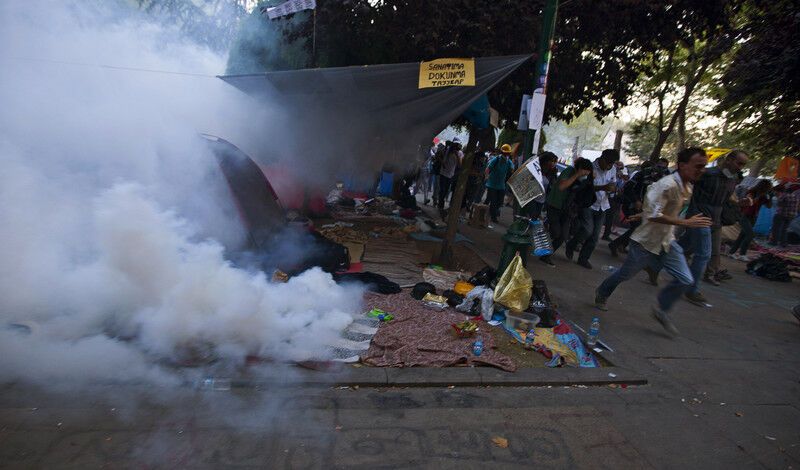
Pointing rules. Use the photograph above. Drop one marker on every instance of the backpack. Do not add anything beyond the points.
(584, 195)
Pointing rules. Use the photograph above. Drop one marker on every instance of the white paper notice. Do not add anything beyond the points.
(536, 112)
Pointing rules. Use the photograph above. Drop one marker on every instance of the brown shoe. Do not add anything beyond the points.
(711, 280)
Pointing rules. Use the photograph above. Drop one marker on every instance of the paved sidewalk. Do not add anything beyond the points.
(725, 394)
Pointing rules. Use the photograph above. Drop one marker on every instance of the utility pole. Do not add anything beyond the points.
(540, 72)
(516, 234)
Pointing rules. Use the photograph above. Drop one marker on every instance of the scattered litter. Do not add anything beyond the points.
(380, 315)
(722, 404)
(465, 328)
(739, 414)
(771, 438)
(108, 439)
(597, 350)
(280, 276)
(500, 442)
(624, 385)
(451, 386)
(612, 375)
(683, 400)
(338, 428)
(612, 385)
(696, 416)
(435, 302)
(59, 424)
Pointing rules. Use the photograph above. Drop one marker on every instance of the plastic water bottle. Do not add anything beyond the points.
(477, 347)
(594, 332)
(542, 245)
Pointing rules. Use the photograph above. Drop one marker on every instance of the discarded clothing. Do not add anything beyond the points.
(769, 267)
(374, 282)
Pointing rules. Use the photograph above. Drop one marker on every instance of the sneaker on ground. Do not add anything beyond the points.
(711, 280)
(723, 275)
(585, 263)
(698, 299)
(548, 261)
(600, 301)
(569, 253)
(665, 322)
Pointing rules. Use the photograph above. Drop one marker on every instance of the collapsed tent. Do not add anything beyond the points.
(270, 242)
(346, 114)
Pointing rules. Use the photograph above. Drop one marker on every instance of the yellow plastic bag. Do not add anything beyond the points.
(515, 285)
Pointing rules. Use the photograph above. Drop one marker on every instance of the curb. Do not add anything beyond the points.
(444, 377)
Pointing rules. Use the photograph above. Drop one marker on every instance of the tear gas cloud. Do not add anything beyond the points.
(114, 215)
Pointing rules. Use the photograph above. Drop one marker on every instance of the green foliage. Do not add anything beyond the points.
(761, 87)
(598, 48)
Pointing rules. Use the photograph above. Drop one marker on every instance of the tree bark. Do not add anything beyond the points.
(446, 253)
(688, 89)
(682, 131)
(755, 170)
(618, 141)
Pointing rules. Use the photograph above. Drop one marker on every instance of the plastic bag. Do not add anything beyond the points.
(515, 286)
(486, 296)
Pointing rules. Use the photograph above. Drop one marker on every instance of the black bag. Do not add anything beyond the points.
(584, 194)
(769, 267)
(483, 277)
(453, 297)
(422, 288)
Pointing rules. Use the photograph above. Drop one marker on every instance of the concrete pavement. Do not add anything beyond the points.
(725, 394)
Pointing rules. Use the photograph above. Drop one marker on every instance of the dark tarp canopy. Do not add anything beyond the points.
(342, 115)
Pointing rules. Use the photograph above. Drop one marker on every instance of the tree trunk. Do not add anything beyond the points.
(446, 254)
(618, 141)
(755, 170)
(688, 89)
(682, 131)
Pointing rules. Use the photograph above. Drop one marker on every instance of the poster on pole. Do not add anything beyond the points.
(525, 185)
(536, 113)
(447, 72)
(523, 113)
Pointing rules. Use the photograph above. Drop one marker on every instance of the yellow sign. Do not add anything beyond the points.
(447, 72)
(715, 153)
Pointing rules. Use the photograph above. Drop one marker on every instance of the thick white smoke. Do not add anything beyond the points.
(113, 215)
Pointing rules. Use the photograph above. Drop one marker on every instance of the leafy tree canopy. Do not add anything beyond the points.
(599, 45)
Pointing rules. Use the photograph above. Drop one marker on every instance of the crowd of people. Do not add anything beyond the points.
(486, 181)
(672, 217)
